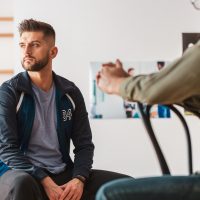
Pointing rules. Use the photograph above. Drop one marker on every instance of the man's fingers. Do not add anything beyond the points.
(70, 196)
(118, 63)
(106, 69)
(65, 193)
(98, 76)
(78, 198)
(110, 64)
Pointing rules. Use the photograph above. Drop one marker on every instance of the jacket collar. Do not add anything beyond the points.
(64, 85)
(24, 83)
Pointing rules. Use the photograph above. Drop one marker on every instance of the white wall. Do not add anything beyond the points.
(133, 30)
(6, 8)
(6, 44)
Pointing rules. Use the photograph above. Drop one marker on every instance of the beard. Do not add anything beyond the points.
(36, 66)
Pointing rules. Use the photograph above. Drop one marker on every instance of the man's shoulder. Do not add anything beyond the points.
(12, 87)
(65, 84)
(68, 87)
(8, 89)
(12, 81)
(64, 80)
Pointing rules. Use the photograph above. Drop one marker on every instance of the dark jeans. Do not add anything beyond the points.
(19, 185)
(156, 188)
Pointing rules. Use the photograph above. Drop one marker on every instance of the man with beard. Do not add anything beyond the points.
(40, 112)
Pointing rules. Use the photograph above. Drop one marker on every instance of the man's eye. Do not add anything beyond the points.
(35, 45)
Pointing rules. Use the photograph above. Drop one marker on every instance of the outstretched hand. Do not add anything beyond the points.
(110, 77)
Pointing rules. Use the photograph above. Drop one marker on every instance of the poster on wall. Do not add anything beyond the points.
(189, 39)
(104, 106)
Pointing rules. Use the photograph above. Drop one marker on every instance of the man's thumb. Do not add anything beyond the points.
(118, 63)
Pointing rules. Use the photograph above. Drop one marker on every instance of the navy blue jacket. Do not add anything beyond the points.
(16, 126)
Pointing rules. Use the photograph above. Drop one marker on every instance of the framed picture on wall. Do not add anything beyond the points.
(189, 39)
(104, 106)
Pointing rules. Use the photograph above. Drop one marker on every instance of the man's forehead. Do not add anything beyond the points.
(31, 36)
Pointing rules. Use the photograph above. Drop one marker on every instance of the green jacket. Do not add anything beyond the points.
(178, 83)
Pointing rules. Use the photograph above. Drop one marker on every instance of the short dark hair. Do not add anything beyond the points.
(29, 25)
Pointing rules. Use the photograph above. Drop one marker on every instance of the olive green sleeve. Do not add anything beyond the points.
(173, 84)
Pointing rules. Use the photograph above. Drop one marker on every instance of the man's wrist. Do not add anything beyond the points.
(81, 178)
(47, 181)
(117, 85)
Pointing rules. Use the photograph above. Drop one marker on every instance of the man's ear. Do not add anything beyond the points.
(53, 52)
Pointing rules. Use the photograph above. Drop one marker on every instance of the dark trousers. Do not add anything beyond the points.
(19, 185)
(156, 188)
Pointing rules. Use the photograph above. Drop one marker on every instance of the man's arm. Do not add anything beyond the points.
(14, 158)
(82, 138)
(10, 152)
(175, 83)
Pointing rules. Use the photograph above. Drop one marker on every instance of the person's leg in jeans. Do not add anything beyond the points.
(156, 188)
(19, 185)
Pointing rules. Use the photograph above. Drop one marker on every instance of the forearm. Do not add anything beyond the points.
(83, 162)
(84, 149)
(10, 152)
(15, 160)
(175, 83)
(82, 139)
(47, 181)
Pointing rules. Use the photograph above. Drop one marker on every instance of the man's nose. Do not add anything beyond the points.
(27, 50)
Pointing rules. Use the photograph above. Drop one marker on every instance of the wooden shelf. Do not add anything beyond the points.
(6, 35)
(6, 71)
(8, 19)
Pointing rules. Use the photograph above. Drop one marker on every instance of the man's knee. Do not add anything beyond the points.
(19, 185)
(24, 181)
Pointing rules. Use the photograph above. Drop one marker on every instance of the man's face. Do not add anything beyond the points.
(35, 51)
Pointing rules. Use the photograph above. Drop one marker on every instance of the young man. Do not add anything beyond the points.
(39, 113)
(178, 83)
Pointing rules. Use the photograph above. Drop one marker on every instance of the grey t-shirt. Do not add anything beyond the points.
(43, 150)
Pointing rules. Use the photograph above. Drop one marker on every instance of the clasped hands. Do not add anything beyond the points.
(111, 76)
(72, 190)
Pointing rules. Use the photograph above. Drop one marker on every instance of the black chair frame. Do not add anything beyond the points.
(145, 116)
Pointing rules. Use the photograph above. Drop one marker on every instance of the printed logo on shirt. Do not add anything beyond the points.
(67, 115)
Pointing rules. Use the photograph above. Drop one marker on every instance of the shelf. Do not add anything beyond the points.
(6, 35)
(6, 71)
(8, 19)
